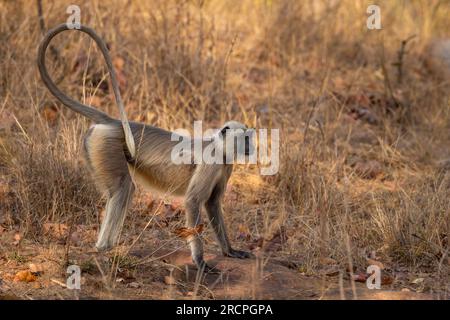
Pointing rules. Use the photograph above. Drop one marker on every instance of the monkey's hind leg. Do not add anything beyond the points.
(106, 159)
(116, 209)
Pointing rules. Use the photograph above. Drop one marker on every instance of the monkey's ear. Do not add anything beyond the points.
(224, 130)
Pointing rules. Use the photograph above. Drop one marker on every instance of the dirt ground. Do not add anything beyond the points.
(153, 269)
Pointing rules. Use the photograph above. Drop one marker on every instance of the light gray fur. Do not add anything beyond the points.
(115, 164)
(203, 185)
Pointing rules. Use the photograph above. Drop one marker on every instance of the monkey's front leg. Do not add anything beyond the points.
(214, 209)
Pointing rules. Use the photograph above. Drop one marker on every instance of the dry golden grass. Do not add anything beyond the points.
(350, 185)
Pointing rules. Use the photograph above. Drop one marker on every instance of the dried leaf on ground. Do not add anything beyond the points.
(188, 232)
(386, 279)
(25, 276)
(360, 277)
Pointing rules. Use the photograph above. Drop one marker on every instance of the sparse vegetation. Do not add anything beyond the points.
(364, 159)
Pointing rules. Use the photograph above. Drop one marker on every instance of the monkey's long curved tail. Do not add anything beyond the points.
(87, 111)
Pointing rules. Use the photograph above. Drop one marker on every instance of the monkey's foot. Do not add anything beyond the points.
(238, 254)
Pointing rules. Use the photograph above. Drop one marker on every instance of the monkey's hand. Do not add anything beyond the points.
(232, 253)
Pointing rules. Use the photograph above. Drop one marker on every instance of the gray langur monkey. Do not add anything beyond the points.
(121, 152)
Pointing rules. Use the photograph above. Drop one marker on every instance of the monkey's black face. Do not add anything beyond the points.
(237, 140)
